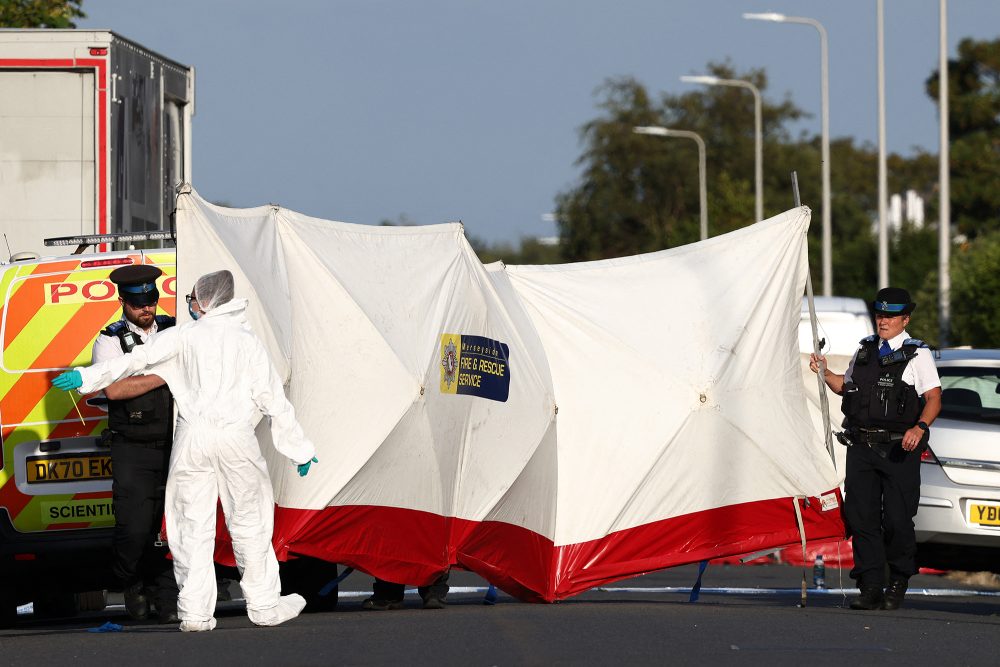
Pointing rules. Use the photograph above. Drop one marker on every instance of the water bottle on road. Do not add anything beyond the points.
(819, 572)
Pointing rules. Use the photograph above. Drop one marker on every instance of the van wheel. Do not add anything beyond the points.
(55, 605)
(92, 601)
(8, 596)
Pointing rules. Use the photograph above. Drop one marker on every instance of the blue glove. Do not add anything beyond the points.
(304, 468)
(68, 380)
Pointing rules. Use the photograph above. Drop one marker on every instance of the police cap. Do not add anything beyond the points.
(893, 301)
(137, 284)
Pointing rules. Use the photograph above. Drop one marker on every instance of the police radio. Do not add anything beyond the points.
(895, 357)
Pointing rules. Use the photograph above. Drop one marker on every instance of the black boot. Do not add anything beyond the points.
(136, 602)
(870, 598)
(894, 594)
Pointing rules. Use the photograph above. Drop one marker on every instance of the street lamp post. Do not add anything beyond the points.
(883, 182)
(702, 190)
(758, 133)
(824, 135)
(944, 228)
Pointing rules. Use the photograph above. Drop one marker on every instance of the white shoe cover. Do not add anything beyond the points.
(288, 607)
(198, 626)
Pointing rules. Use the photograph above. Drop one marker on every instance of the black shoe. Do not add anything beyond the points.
(870, 598)
(136, 602)
(169, 617)
(435, 603)
(894, 595)
(377, 604)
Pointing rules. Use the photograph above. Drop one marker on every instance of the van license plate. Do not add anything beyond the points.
(984, 514)
(68, 468)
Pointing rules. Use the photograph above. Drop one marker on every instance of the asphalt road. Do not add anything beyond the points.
(745, 615)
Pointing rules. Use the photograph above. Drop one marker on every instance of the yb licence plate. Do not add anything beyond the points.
(68, 468)
(984, 514)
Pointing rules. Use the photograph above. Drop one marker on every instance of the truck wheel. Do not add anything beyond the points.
(92, 601)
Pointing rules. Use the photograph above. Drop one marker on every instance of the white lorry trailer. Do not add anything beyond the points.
(95, 134)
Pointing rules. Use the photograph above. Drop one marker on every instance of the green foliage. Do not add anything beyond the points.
(975, 280)
(974, 127)
(640, 193)
(40, 13)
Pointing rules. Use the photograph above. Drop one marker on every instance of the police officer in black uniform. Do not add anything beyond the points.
(140, 420)
(891, 394)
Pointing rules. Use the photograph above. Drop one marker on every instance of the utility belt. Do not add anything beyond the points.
(108, 436)
(880, 440)
(874, 436)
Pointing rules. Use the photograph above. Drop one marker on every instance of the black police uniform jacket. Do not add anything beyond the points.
(148, 417)
(876, 396)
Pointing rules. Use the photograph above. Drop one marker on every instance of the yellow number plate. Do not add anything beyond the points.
(983, 514)
(68, 468)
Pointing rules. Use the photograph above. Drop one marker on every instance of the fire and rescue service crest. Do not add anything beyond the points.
(449, 364)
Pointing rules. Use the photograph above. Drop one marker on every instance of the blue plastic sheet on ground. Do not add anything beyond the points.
(107, 627)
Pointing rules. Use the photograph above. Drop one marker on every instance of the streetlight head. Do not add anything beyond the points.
(766, 16)
(705, 79)
(651, 129)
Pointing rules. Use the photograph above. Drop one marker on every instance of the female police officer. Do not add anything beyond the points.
(891, 394)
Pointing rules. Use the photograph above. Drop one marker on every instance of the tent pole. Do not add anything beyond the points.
(824, 403)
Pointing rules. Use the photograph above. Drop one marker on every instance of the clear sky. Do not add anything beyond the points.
(441, 110)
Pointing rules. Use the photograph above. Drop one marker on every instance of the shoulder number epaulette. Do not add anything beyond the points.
(165, 322)
(868, 339)
(915, 342)
(115, 328)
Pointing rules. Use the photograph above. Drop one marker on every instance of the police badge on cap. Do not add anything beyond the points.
(137, 284)
(893, 301)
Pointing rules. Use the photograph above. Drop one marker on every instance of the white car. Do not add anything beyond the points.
(958, 521)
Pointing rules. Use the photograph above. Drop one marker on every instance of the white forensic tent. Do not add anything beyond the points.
(551, 428)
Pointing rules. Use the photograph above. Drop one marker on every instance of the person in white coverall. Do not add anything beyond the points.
(222, 381)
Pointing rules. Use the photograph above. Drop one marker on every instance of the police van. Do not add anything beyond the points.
(56, 514)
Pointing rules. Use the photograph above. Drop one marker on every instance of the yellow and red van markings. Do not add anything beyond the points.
(27, 401)
(24, 305)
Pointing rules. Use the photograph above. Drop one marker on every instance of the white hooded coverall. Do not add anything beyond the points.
(222, 381)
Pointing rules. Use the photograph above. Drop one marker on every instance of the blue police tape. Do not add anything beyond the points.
(696, 590)
(491, 595)
(326, 590)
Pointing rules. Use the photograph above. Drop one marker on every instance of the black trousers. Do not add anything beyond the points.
(139, 486)
(882, 496)
(387, 590)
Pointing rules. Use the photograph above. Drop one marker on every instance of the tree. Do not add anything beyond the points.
(974, 127)
(640, 193)
(40, 13)
(975, 283)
